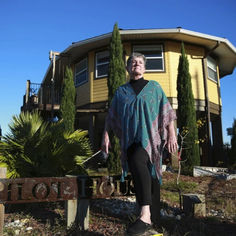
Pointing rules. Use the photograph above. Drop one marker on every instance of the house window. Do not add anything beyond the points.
(212, 69)
(154, 56)
(102, 64)
(81, 72)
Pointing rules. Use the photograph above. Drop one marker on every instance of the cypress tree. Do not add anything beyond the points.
(116, 77)
(232, 161)
(67, 108)
(187, 114)
(116, 74)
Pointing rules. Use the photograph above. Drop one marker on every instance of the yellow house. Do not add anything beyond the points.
(210, 59)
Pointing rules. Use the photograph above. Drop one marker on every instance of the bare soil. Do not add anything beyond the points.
(48, 218)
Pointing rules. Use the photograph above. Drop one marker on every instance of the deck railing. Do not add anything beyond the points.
(45, 93)
(41, 94)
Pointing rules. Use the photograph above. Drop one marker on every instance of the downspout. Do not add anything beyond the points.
(207, 106)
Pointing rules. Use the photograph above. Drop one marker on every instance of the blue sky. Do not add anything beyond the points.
(30, 29)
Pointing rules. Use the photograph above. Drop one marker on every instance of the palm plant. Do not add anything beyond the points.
(35, 148)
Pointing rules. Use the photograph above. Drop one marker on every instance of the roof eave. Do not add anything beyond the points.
(175, 31)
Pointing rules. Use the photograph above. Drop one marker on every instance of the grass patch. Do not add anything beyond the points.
(227, 205)
(183, 186)
(99, 172)
(170, 196)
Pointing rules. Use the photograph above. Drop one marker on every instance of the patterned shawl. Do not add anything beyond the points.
(141, 118)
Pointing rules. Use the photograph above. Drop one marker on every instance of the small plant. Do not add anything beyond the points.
(233, 147)
(183, 186)
(36, 148)
(182, 136)
(172, 197)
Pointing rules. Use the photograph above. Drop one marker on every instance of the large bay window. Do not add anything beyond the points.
(212, 69)
(81, 72)
(154, 56)
(102, 64)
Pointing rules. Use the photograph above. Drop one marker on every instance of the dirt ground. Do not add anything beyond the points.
(48, 219)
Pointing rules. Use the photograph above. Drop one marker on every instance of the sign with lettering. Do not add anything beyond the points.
(104, 186)
(47, 189)
(38, 189)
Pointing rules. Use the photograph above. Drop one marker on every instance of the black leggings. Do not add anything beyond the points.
(138, 161)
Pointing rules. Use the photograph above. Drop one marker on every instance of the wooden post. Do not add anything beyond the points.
(77, 212)
(83, 214)
(194, 205)
(27, 94)
(3, 172)
(71, 210)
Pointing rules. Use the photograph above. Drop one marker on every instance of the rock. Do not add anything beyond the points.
(230, 177)
(171, 215)
(178, 217)
(162, 213)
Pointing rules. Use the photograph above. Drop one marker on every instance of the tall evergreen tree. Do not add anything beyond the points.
(116, 77)
(67, 107)
(187, 114)
(232, 161)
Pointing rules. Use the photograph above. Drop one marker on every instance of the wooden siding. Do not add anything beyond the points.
(95, 90)
(213, 92)
(195, 55)
(83, 94)
(100, 90)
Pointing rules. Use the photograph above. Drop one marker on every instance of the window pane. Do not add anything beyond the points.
(154, 64)
(81, 72)
(81, 78)
(147, 48)
(151, 54)
(81, 66)
(211, 63)
(103, 57)
(102, 70)
(212, 74)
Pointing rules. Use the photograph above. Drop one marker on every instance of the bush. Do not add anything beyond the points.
(36, 148)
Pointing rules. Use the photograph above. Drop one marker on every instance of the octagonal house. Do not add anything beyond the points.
(210, 59)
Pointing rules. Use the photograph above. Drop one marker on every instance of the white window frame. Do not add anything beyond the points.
(141, 48)
(77, 73)
(102, 63)
(211, 64)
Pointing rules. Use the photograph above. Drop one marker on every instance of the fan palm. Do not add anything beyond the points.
(35, 148)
